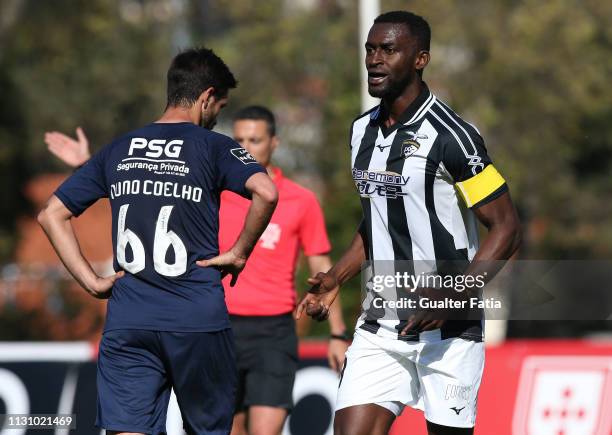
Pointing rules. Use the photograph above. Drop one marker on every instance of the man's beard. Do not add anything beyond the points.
(208, 121)
(393, 89)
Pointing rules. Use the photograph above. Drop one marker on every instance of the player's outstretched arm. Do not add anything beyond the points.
(73, 152)
(264, 198)
(55, 221)
(325, 286)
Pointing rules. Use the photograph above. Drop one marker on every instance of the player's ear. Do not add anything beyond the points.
(422, 60)
(206, 98)
(275, 142)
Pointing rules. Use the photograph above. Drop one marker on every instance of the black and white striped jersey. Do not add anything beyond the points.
(417, 181)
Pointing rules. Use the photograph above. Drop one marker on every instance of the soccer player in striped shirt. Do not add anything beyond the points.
(425, 180)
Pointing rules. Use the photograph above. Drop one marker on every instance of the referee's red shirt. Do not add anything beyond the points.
(266, 285)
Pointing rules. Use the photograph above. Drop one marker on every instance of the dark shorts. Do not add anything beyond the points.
(266, 354)
(137, 368)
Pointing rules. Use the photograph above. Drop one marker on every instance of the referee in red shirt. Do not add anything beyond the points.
(261, 302)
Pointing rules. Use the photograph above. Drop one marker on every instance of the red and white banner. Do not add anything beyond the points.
(564, 395)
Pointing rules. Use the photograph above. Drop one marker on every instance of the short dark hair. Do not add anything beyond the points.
(416, 24)
(192, 72)
(258, 113)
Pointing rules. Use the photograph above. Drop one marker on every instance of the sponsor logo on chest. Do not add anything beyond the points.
(379, 183)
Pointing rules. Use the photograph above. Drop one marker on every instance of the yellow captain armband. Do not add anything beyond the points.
(475, 189)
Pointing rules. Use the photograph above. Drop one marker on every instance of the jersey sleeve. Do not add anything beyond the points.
(234, 167)
(85, 186)
(465, 158)
(312, 232)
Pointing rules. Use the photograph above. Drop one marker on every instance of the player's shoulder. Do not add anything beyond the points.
(369, 114)
(210, 142)
(191, 136)
(159, 130)
(454, 129)
(206, 136)
(127, 137)
(122, 141)
(360, 122)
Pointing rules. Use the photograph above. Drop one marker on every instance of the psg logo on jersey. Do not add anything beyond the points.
(411, 145)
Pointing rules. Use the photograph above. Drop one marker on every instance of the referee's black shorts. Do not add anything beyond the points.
(266, 355)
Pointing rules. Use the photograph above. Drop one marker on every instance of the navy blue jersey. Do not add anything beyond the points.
(164, 183)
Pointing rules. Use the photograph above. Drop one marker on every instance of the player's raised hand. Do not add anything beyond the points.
(102, 287)
(70, 151)
(228, 262)
(319, 298)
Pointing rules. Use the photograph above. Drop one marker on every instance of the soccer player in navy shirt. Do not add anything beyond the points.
(167, 324)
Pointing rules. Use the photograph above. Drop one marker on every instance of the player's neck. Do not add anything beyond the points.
(398, 105)
(178, 114)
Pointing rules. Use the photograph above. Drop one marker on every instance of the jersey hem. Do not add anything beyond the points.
(162, 329)
(396, 411)
(385, 334)
(442, 422)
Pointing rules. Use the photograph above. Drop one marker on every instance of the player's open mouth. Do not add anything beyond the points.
(376, 78)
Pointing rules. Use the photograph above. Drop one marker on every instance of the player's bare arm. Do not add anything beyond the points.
(264, 199)
(54, 218)
(503, 239)
(337, 328)
(325, 286)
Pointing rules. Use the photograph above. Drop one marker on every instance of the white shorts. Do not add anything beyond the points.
(440, 377)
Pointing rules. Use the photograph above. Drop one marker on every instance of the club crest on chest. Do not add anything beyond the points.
(411, 145)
